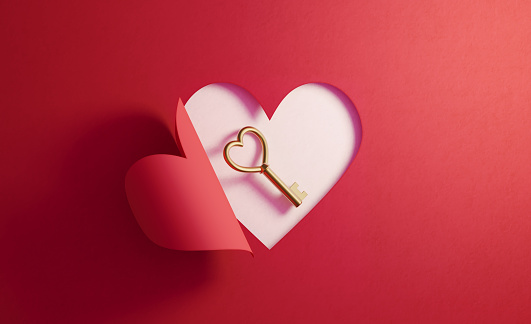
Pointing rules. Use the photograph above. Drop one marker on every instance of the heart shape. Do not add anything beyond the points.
(313, 138)
(178, 201)
(239, 142)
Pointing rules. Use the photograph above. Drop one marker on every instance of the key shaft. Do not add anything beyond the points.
(292, 196)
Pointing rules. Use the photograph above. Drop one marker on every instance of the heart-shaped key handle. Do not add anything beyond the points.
(239, 142)
(292, 193)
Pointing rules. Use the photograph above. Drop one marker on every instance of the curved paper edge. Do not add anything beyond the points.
(184, 132)
(179, 202)
(249, 100)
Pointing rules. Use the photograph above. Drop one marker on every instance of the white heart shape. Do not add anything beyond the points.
(313, 137)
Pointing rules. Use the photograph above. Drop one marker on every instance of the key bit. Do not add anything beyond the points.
(295, 189)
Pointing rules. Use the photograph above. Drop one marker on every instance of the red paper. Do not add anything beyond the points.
(430, 224)
(178, 201)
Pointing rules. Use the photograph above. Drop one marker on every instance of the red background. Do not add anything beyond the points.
(431, 223)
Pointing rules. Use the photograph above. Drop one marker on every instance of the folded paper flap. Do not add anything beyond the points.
(186, 138)
(179, 202)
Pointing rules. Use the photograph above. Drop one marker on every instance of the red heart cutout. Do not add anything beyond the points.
(178, 201)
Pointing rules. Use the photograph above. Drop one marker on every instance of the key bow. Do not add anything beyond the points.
(239, 142)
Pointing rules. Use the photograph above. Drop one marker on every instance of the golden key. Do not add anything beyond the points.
(292, 193)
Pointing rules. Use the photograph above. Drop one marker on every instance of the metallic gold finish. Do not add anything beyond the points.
(239, 142)
(292, 193)
(295, 189)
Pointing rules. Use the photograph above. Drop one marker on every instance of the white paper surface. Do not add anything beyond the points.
(312, 137)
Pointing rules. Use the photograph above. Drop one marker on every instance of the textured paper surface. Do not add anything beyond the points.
(178, 201)
(313, 137)
(431, 223)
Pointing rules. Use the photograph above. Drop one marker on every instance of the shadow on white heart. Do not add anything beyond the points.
(313, 137)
